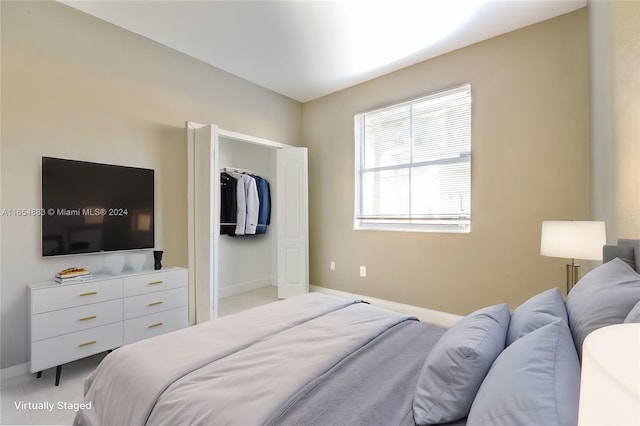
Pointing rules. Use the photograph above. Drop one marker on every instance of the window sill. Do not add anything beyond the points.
(442, 229)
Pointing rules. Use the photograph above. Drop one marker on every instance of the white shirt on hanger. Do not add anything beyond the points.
(248, 204)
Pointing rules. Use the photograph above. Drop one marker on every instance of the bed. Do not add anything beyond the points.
(318, 359)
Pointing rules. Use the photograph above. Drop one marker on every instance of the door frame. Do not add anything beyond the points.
(200, 315)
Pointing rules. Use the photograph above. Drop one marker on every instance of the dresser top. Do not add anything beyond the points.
(102, 277)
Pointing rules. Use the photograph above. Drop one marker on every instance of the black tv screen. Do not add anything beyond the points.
(91, 207)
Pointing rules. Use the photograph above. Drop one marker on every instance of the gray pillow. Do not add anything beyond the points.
(534, 381)
(636, 245)
(604, 296)
(634, 315)
(540, 310)
(626, 253)
(454, 369)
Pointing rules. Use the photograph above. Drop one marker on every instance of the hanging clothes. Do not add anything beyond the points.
(252, 203)
(264, 196)
(228, 196)
(251, 206)
(247, 204)
(241, 203)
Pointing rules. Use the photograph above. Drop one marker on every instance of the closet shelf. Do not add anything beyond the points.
(238, 170)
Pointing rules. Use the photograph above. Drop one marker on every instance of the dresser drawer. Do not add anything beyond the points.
(48, 353)
(64, 321)
(149, 303)
(156, 281)
(152, 325)
(69, 295)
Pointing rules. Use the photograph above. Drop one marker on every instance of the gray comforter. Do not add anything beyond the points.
(372, 386)
(293, 361)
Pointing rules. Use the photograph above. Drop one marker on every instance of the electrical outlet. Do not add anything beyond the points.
(333, 265)
(363, 271)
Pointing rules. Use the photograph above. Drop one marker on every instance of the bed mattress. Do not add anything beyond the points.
(313, 359)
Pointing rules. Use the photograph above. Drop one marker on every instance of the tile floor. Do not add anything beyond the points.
(250, 299)
(26, 388)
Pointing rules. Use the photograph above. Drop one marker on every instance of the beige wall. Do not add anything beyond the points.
(76, 87)
(615, 64)
(531, 162)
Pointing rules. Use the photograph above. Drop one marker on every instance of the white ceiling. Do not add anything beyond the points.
(307, 49)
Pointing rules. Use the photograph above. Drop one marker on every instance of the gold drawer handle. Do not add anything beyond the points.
(88, 318)
(155, 303)
(155, 282)
(91, 293)
(82, 345)
(158, 324)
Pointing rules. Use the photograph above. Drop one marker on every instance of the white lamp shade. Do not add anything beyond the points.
(610, 378)
(573, 239)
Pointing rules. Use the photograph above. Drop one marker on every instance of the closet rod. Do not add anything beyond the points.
(238, 170)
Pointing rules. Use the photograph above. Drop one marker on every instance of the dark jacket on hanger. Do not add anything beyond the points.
(228, 194)
(264, 213)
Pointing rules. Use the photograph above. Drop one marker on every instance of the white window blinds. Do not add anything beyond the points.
(413, 164)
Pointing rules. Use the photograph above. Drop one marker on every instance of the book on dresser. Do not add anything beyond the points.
(71, 275)
(86, 317)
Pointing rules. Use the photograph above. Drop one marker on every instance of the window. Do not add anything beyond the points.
(413, 164)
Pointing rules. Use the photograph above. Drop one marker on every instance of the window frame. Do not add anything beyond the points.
(444, 225)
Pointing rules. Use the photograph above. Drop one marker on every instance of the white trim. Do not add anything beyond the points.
(214, 217)
(242, 137)
(252, 139)
(194, 125)
(213, 221)
(191, 126)
(443, 319)
(14, 371)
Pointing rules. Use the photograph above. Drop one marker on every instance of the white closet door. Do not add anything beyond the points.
(293, 222)
(204, 219)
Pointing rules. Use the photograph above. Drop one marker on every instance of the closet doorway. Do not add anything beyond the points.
(223, 265)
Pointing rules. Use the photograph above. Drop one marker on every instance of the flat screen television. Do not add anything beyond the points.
(92, 207)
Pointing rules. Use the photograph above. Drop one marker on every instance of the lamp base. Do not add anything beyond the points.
(572, 275)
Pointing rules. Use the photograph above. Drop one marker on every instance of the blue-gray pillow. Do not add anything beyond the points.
(538, 311)
(457, 364)
(604, 296)
(634, 315)
(534, 381)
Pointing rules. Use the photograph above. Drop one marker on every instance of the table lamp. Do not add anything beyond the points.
(573, 240)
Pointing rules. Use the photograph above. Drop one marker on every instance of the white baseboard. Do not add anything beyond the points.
(443, 319)
(14, 371)
(234, 289)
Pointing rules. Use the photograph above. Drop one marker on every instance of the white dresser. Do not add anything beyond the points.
(155, 303)
(73, 321)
